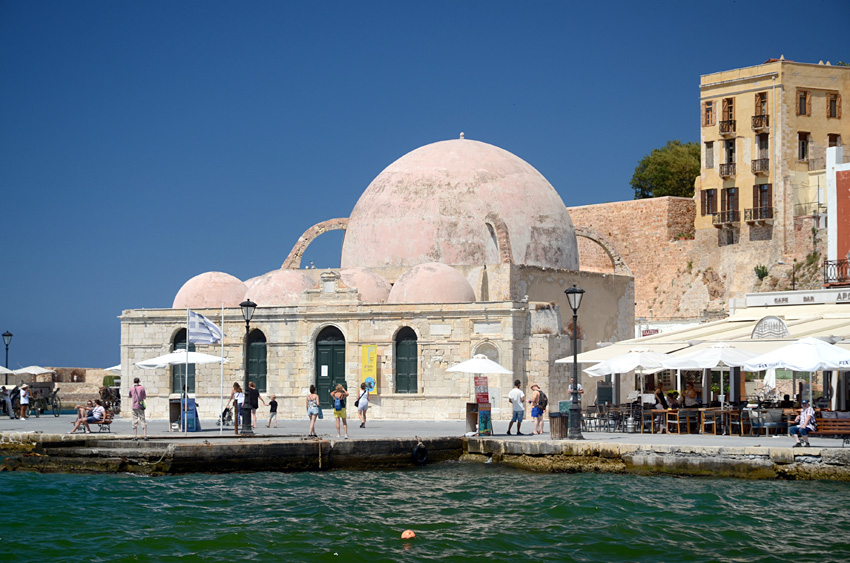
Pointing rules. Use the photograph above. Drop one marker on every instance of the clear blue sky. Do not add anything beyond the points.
(142, 143)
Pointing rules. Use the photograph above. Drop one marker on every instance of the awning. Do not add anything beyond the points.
(620, 348)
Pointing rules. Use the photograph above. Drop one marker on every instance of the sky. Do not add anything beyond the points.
(143, 143)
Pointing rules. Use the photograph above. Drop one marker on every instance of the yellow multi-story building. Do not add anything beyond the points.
(764, 133)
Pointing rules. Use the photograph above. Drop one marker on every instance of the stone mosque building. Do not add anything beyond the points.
(455, 249)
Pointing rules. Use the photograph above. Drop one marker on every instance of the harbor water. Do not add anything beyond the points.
(459, 511)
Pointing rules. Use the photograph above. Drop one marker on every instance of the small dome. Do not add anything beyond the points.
(279, 288)
(210, 290)
(432, 283)
(372, 287)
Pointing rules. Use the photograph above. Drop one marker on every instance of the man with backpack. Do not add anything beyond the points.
(539, 402)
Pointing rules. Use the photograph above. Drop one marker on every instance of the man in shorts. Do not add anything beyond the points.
(517, 399)
(536, 409)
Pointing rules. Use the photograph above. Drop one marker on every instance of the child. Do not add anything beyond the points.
(272, 412)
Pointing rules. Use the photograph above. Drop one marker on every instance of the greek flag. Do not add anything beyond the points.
(202, 330)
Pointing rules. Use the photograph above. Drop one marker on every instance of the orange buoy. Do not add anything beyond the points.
(408, 535)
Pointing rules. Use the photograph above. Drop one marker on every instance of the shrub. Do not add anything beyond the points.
(761, 271)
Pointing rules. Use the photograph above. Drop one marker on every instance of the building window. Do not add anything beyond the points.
(709, 155)
(804, 102)
(709, 202)
(729, 204)
(406, 364)
(834, 140)
(763, 143)
(761, 103)
(762, 196)
(257, 371)
(729, 147)
(833, 105)
(708, 114)
(728, 109)
(802, 146)
(179, 376)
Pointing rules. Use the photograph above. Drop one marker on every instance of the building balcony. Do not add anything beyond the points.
(725, 218)
(761, 122)
(817, 164)
(727, 169)
(759, 215)
(836, 273)
(727, 127)
(761, 166)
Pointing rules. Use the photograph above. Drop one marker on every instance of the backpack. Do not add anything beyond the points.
(337, 404)
(542, 400)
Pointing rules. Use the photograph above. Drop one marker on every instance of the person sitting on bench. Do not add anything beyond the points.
(98, 413)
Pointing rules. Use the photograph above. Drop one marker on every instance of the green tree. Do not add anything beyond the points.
(668, 171)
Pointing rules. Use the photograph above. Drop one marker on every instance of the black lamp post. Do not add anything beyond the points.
(248, 308)
(7, 337)
(574, 295)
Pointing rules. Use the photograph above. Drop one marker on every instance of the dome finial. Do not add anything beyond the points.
(462, 136)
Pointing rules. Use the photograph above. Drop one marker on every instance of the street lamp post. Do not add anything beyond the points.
(574, 295)
(248, 308)
(7, 337)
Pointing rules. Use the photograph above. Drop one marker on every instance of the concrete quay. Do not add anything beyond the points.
(44, 445)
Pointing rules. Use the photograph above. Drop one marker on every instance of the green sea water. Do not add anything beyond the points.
(459, 512)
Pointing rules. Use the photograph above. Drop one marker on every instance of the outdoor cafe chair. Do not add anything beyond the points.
(709, 418)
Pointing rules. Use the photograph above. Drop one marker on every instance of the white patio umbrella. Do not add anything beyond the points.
(116, 369)
(33, 370)
(637, 359)
(180, 357)
(479, 364)
(807, 354)
(715, 356)
(5, 371)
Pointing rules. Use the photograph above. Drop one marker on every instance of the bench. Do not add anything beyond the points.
(104, 425)
(833, 427)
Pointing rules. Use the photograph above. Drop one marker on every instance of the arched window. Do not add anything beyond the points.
(179, 376)
(488, 350)
(406, 354)
(257, 360)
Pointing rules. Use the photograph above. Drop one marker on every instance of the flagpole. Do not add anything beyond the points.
(221, 396)
(185, 405)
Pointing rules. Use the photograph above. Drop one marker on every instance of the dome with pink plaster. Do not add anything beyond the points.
(372, 287)
(279, 288)
(210, 290)
(432, 283)
(432, 205)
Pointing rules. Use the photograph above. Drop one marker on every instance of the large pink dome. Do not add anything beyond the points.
(279, 288)
(430, 206)
(210, 290)
(372, 287)
(432, 283)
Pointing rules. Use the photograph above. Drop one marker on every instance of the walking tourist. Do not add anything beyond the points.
(313, 410)
(138, 394)
(25, 400)
(237, 397)
(517, 399)
(362, 404)
(803, 424)
(7, 401)
(339, 395)
(98, 413)
(253, 398)
(538, 405)
(272, 412)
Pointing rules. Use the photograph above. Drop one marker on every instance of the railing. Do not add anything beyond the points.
(724, 217)
(727, 126)
(761, 166)
(836, 272)
(809, 208)
(758, 214)
(761, 121)
(727, 169)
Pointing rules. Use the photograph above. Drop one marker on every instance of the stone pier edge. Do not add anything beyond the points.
(117, 453)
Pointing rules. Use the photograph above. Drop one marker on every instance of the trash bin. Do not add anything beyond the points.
(558, 425)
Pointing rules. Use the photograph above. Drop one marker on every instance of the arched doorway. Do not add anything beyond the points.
(330, 362)
(406, 354)
(257, 360)
(179, 375)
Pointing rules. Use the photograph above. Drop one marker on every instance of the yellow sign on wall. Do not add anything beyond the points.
(370, 368)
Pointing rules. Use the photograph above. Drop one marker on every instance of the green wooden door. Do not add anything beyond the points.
(406, 352)
(257, 360)
(330, 363)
